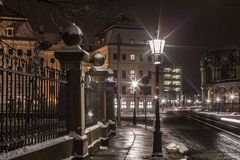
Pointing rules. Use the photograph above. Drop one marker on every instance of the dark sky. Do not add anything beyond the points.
(195, 25)
(198, 25)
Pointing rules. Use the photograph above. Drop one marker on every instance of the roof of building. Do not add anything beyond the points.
(121, 21)
(129, 31)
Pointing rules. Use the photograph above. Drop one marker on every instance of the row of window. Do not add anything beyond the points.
(132, 74)
(132, 57)
(131, 104)
(174, 70)
(177, 83)
(169, 76)
(167, 89)
(141, 91)
(19, 51)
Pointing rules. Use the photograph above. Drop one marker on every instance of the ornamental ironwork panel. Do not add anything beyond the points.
(32, 100)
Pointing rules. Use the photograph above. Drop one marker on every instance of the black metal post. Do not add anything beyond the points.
(157, 135)
(218, 107)
(118, 80)
(232, 106)
(134, 111)
(145, 108)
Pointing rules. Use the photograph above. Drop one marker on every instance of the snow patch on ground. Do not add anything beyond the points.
(32, 148)
(177, 147)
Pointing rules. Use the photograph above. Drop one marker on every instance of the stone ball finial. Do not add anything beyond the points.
(72, 35)
(98, 59)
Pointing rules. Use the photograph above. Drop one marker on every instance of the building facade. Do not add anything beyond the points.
(125, 46)
(220, 78)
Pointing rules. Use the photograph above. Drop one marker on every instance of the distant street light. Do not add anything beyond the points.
(157, 46)
(208, 102)
(218, 99)
(189, 101)
(232, 97)
(134, 85)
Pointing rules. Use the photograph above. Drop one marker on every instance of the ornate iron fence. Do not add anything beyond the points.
(32, 100)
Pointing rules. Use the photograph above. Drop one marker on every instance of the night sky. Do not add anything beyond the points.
(194, 25)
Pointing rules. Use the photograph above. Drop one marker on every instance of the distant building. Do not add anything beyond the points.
(220, 77)
(135, 62)
(17, 36)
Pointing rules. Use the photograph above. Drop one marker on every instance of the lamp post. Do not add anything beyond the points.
(189, 101)
(218, 100)
(134, 85)
(232, 97)
(208, 102)
(157, 46)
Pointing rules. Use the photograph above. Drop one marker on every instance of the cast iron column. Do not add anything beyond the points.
(157, 138)
(134, 111)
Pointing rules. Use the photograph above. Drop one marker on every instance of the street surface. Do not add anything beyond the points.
(183, 137)
(203, 142)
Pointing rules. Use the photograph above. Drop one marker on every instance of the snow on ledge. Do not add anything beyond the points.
(76, 136)
(32, 148)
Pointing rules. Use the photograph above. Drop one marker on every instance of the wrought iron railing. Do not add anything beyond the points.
(32, 100)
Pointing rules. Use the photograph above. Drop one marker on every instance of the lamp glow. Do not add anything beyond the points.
(157, 45)
(134, 84)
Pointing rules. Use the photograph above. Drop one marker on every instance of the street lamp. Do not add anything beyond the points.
(189, 101)
(157, 46)
(208, 102)
(232, 97)
(218, 100)
(134, 86)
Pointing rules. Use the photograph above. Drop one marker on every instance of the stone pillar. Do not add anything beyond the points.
(110, 100)
(71, 57)
(99, 76)
(75, 99)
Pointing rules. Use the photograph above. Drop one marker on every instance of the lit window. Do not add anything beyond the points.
(177, 89)
(167, 76)
(176, 83)
(149, 105)
(140, 105)
(132, 57)
(132, 105)
(132, 74)
(167, 82)
(132, 90)
(176, 70)
(124, 104)
(176, 77)
(167, 69)
(166, 89)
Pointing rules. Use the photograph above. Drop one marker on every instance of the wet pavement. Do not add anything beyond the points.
(194, 141)
(130, 143)
(203, 142)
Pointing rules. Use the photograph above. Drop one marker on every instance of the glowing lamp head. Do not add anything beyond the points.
(218, 99)
(163, 101)
(134, 84)
(157, 46)
(208, 101)
(232, 96)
